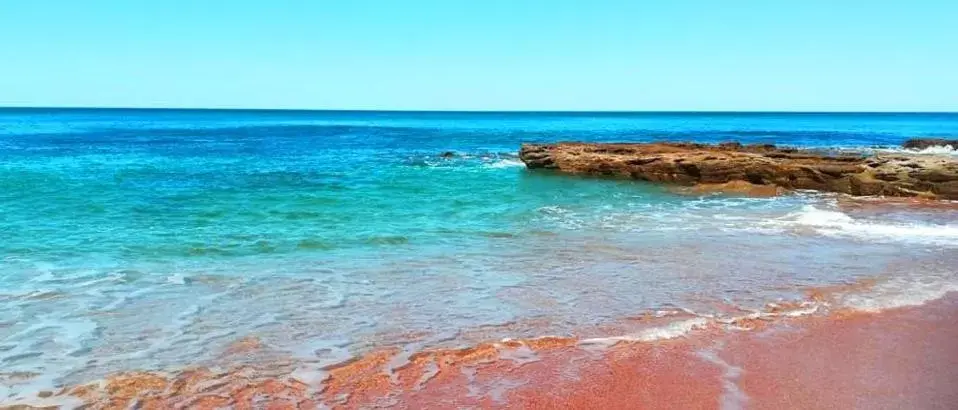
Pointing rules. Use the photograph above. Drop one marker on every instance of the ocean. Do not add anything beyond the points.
(155, 240)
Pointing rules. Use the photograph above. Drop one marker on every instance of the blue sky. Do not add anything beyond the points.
(482, 55)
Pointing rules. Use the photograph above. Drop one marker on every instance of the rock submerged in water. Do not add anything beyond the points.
(923, 143)
(692, 164)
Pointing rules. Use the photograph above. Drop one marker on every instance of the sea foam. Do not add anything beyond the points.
(505, 163)
(900, 292)
(932, 150)
(837, 223)
(672, 330)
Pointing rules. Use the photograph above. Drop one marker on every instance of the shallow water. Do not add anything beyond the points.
(152, 240)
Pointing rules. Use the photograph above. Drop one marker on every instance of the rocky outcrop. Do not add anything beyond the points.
(690, 164)
(922, 143)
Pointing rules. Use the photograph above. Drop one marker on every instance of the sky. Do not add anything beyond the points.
(803, 55)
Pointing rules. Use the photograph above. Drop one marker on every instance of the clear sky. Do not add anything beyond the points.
(482, 55)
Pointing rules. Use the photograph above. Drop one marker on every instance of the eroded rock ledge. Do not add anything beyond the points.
(691, 164)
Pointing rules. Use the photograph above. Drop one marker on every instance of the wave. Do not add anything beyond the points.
(932, 150)
(418, 367)
(466, 160)
(840, 224)
(671, 330)
(504, 163)
(899, 292)
(894, 293)
(939, 149)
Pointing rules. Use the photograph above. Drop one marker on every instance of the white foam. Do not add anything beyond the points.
(836, 223)
(900, 292)
(809, 309)
(804, 309)
(670, 331)
(505, 163)
(733, 397)
(939, 150)
(309, 376)
(176, 279)
(932, 150)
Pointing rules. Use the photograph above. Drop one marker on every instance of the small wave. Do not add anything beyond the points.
(836, 223)
(939, 150)
(177, 279)
(900, 292)
(933, 150)
(504, 163)
(683, 327)
(875, 149)
(493, 160)
(670, 331)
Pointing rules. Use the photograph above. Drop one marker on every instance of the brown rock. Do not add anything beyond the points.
(733, 187)
(720, 166)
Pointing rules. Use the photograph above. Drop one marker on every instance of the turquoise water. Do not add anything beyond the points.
(139, 239)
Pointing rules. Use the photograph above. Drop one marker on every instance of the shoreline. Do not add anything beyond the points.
(766, 359)
(372, 377)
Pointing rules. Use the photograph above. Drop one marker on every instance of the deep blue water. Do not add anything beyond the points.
(145, 239)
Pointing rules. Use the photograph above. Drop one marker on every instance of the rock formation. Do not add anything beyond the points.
(764, 166)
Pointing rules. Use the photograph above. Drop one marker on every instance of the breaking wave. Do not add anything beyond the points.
(933, 150)
(837, 223)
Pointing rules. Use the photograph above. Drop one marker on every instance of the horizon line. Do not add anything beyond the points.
(454, 111)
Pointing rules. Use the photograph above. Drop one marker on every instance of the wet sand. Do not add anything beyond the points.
(902, 358)
(898, 358)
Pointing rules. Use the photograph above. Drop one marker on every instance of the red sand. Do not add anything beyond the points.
(901, 358)
(904, 358)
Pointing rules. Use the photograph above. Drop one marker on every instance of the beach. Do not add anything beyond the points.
(347, 259)
(785, 358)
